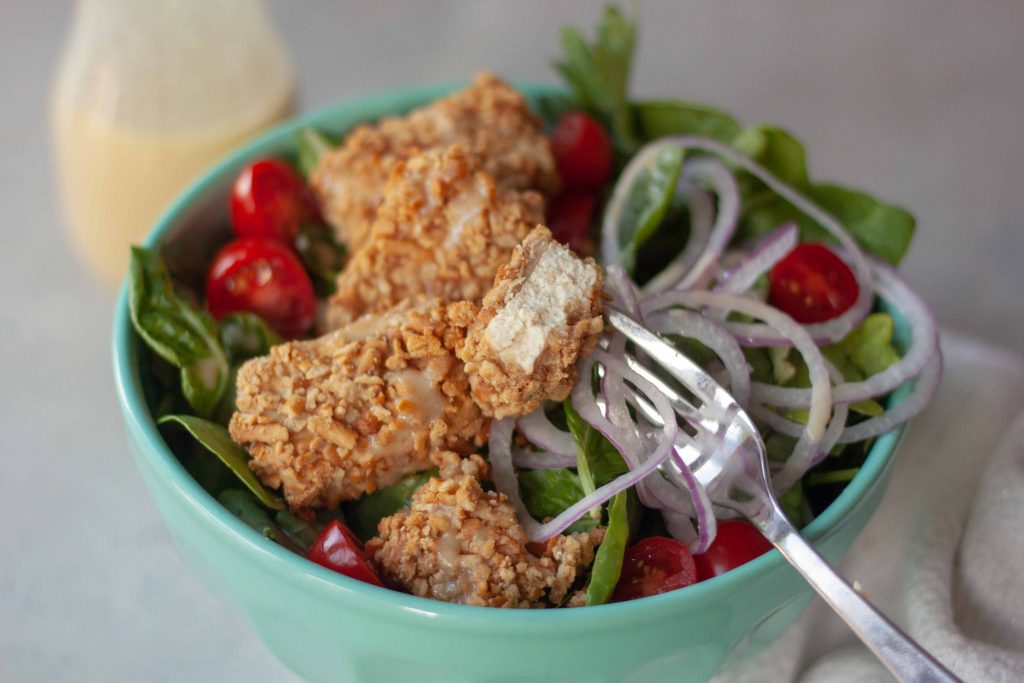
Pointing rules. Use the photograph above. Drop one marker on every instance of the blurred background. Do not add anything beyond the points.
(918, 102)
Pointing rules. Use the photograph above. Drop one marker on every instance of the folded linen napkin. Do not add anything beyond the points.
(943, 554)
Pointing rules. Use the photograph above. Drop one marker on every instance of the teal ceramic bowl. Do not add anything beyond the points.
(327, 627)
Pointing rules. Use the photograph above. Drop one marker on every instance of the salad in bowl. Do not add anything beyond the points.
(398, 365)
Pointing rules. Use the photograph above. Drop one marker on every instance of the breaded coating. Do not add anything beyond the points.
(459, 543)
(335, 417)
(543, 314)
(443, 231)
(489, 119)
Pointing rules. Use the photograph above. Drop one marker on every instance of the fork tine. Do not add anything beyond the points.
(693, 377)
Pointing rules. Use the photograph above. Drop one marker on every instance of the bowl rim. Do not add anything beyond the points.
(159, 455)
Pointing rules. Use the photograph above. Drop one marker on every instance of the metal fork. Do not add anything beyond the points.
(737, 478)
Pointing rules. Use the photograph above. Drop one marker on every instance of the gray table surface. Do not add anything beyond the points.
(920, 102)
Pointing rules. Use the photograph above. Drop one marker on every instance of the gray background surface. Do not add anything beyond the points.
(919, 102)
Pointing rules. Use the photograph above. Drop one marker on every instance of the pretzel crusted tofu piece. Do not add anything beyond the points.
(443, 231)
(543, 314)
(489, 119)
(332, 418)
(459, 543)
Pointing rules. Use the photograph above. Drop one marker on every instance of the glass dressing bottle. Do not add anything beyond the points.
(146, 96)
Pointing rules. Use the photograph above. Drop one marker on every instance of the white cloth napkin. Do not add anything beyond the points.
(944, 555)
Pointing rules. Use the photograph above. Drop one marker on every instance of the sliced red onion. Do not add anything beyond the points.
(763, 258)
(503, 471)
(924, 390)
(832, 330)
(723, 184)
(706, 523)
(611, 241)
(712, 335)
(923, 346)
(541, 460)
(821, 389)
(702, 212)
(539, 431)
(623, 290)
(680, 527)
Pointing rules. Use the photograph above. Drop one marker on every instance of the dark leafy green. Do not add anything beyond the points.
(184, 336)
(661, 118)
(880, 229)
(603, 461)
(598, 73)
(244, 335)
(776, 150)
(649, 201)
(322, 255)
(216, 440)
(794, 504)
(312, 145)
(608, 560)
(546, 493)
(246, 507)
(363, 515)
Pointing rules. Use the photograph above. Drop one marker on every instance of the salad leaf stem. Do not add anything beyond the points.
(608, 560)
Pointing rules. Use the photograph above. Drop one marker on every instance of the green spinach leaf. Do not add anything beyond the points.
(660, 118)
(608, 561)
(649, 201)
(776, 150)
(322, 255)
(217, 440)
(598, 74)
(244, 335)
(246, 507)
(879, 228)
(605, 463)
(312, 145)
(184, 336)
(364, 514)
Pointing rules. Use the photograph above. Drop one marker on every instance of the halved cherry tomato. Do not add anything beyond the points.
(264, 277)
(583, 152)
(654, 565)
(269, 199)
(812, 284)
(737, 542)
(569, 219)
(337, 548)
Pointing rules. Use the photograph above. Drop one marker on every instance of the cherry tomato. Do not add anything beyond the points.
(569, 219)
(737, 542)
(269, 199)
(264, 277)
(583, 152)
(337, 548)
(812, 284)
(654, 565)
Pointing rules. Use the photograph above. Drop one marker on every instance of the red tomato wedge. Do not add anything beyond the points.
(270, 200)
(737, 542)
(264, 277)
(654, 565)
(569, 219)
(583, 152)
(812, 284)
(338, 549)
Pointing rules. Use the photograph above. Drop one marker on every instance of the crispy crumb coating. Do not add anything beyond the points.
(443, 231)
(335, 417)
(542, 315)
(459, 543)
(490, 119)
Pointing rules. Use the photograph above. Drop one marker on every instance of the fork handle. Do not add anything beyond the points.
(896, 650)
